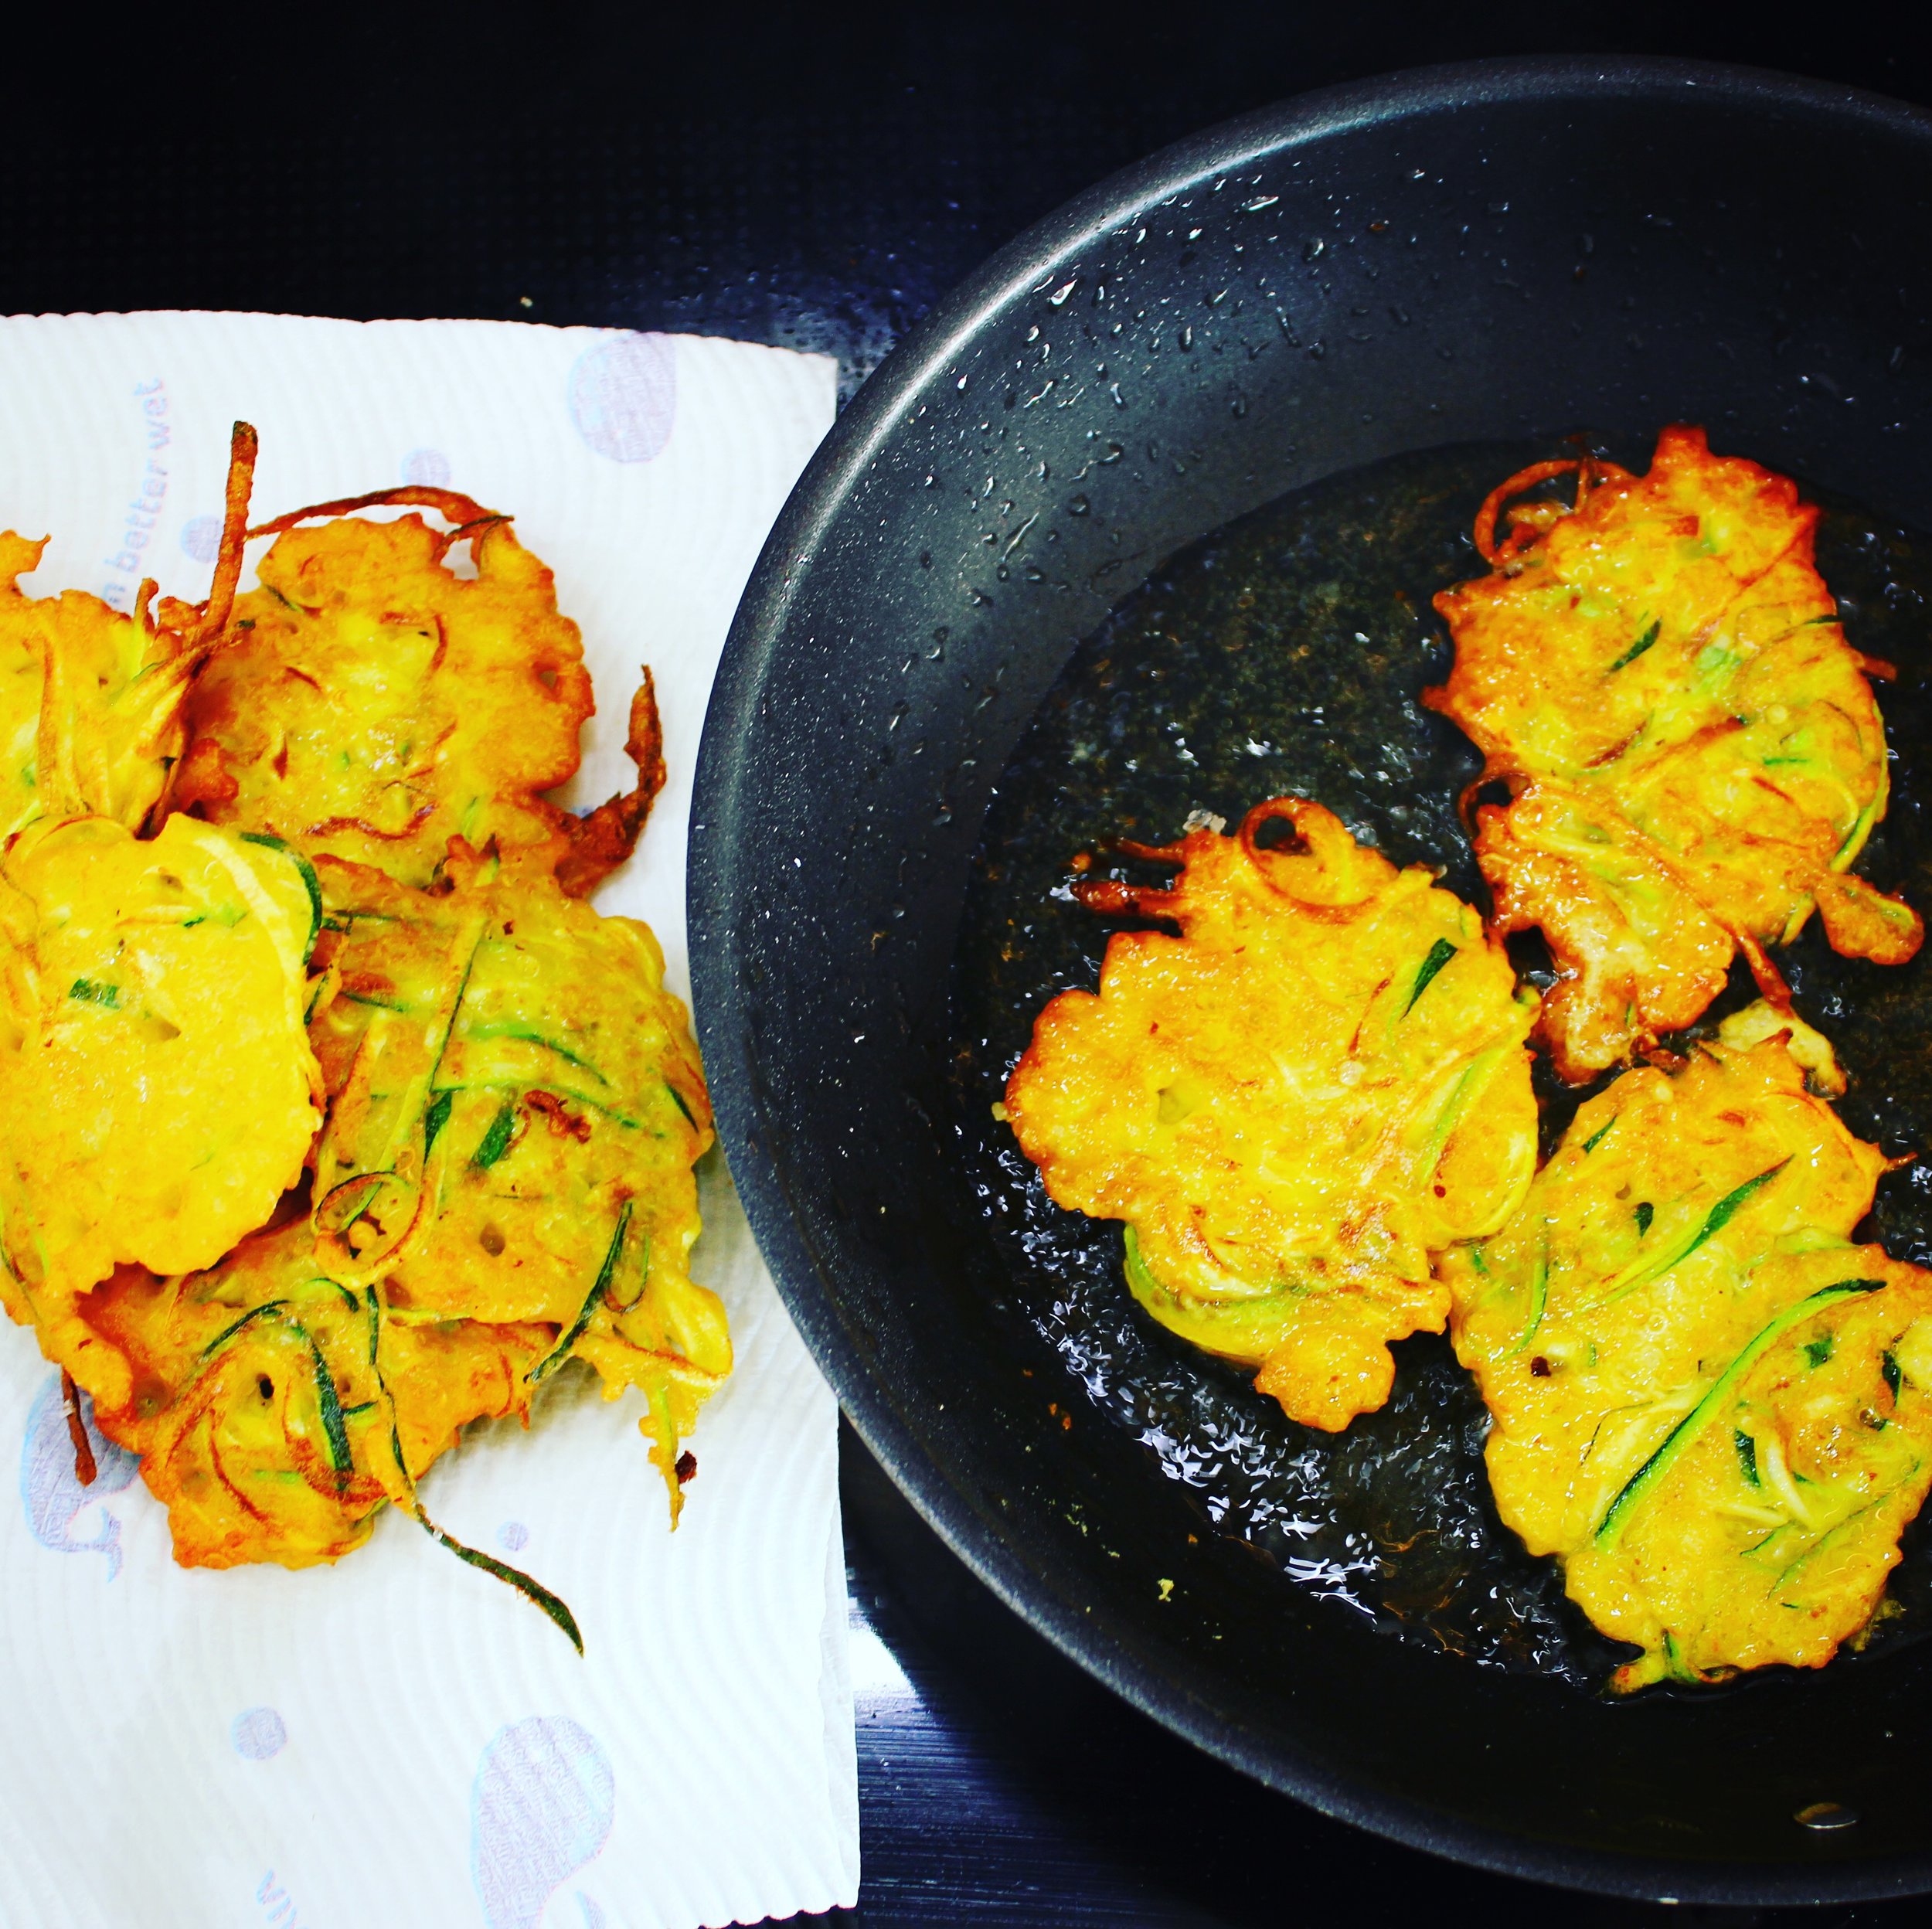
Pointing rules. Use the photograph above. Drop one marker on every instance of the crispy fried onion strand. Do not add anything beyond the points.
(243, 446)
(464, 511)
(1591, 473)
(1110, 897)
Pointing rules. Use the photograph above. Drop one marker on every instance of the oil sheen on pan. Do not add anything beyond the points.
(1285, 656)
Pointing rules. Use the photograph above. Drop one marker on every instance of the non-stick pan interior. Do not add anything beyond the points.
(1497, 256)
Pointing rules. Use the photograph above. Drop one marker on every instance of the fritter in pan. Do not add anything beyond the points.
(91, 697)
(157, 1092)
(1691, 748)
(371, 703)
(1707, 1402)
(1321, 1081)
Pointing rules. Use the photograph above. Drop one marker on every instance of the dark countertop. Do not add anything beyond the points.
(814, 176)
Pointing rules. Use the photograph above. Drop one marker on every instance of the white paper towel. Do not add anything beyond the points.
(400, 1739)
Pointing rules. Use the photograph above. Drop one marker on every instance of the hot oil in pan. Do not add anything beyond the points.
(1285, 654)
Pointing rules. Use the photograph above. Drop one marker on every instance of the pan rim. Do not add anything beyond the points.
(717, 857)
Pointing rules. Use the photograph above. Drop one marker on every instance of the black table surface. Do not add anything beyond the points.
(816, 176)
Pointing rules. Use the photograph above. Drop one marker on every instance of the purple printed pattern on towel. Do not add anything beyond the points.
(258, 1733)
(624, 396)
(201, 538)
(540, 1808)
(51, 1490)
(427, 469)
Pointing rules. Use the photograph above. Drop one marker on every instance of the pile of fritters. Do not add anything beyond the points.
(331, 1119)
(1311, 1107)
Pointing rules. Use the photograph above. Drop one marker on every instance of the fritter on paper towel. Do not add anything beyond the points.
(1320, 1083)
(515, 1103)
(519, 1108)
(369, 702)
(504, 1182)
(157, 1089)
(1692, 750)
(275, 1411)
(1709, 1404)
(91, 697)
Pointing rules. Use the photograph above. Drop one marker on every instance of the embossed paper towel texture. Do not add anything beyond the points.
(400, 1739)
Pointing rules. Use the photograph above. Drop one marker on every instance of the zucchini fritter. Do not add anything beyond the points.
(156, 1088)
(91, 698)
(1321, 1081)
(1693, 750)
(1714, 1408)
(275, 1411)
(369, 703)
(504, 1183)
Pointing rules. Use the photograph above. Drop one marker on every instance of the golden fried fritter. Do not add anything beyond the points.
(1713, 1407)
(91, 697)
(369, 702)
(1692, 750)
(504, 1183)
(1320, 1083)
(518, 1106)
(157, 1087)
(274, 1411)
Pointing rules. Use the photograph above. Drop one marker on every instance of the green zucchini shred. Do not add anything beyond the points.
(1675, 1667)
(310, 881)
(86, 991)
(1440, 954)
(1538, 1294)
(1726, 1207)
(560, 1352)
(531, 1590)
(1634, 1490)
(1747, 1456)
(1637, 649)
(229, 1331)
(1861, 825)
(334, 1432)
(527, 1035)
(496, 1141)
(1716, 1220)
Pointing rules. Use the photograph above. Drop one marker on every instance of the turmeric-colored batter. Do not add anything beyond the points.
(1321, 1081)
(1712, 1406)
(1694, 756)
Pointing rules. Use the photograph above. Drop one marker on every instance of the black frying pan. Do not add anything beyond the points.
(1498, 254)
